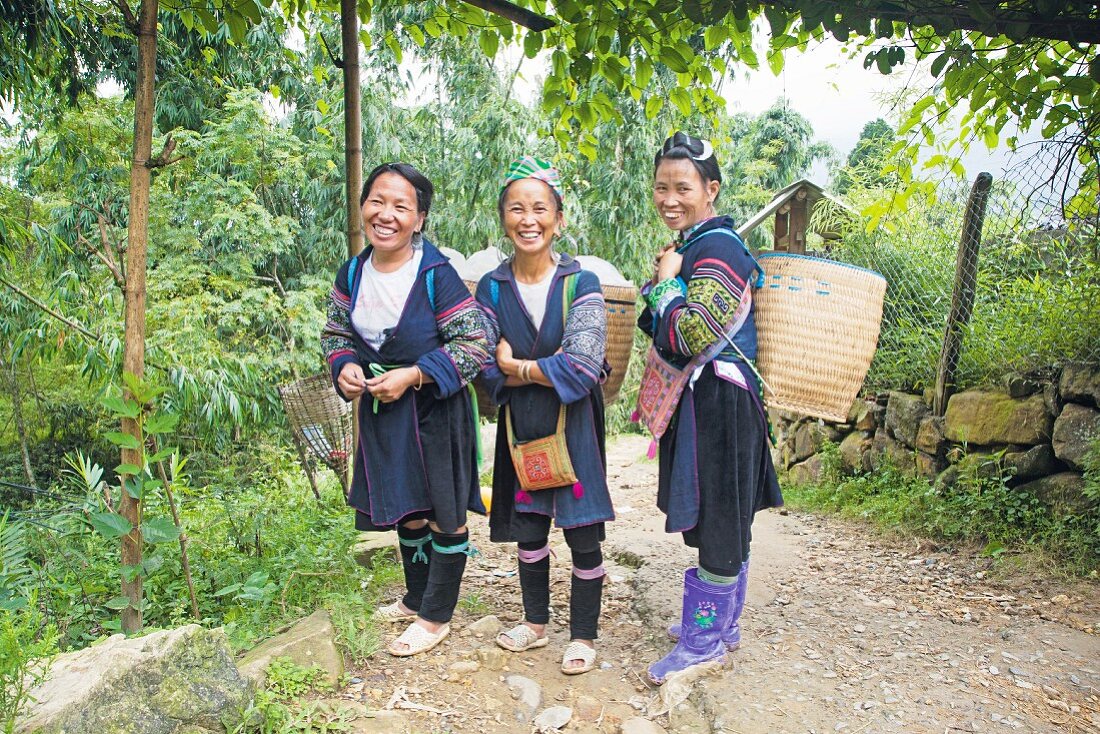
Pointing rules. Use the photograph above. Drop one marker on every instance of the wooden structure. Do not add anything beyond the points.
(792, 207)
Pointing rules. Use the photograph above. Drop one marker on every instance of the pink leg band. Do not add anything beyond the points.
(589, 573)
(535, 555)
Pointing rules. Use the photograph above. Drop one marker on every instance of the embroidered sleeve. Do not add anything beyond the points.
(462, 327)
(336, 336)
(689, 323)
(578, 368)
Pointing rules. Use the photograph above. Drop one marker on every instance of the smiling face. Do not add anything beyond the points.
(681, 196)
(531, 216)
(390, 215)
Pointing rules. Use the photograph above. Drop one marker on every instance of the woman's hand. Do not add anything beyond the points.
(657, 260)
(668, 265)
(505, 363)
(391, 385)
(351, 380)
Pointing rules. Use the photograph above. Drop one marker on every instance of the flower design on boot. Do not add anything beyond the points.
(706, 614)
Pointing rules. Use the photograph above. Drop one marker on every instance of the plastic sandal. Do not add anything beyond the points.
(578, 651)
(418, 640)
(520, 638)
(392, 613)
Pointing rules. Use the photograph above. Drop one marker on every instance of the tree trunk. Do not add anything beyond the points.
(20, 426)
(133, 359)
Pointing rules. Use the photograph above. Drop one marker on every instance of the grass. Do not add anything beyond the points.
(982, 512)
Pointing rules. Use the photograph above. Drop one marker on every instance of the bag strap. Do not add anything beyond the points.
(512, 435)
(353, 265)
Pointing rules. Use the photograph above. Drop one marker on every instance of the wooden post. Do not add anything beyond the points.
(353, 123)
(962, 295)
(799, 222)
(353, 155)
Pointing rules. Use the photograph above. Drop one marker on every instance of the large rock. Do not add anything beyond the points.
(1064, 492)
(989, 418)
(1080, 383)
(1075, 431)
(810, 437)
(309, 642)
(809, 471)
(885, 450)
(372, 545)
(861, 416)
(1037, 461)
(170, 682)
(852, 449)
(1020, 386)
(904, 413)
(930, 438)
(927, 465)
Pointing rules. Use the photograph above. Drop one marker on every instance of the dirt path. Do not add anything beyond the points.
(844, 631)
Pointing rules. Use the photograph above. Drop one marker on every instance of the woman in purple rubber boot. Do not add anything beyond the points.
(715, 470)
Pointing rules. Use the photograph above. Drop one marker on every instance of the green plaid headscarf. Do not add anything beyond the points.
(530, 167)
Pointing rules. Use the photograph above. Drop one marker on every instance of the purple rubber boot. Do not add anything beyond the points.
(731, 635)
(703, 618)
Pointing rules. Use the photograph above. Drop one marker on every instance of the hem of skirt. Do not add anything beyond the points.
(610, 518)
(391, 523)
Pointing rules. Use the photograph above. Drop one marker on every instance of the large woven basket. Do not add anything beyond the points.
(621, 303)
(817, 324)
(621, 317)
(320, 419)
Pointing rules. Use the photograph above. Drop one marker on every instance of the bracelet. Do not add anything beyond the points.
(420, 382)
(524, 371)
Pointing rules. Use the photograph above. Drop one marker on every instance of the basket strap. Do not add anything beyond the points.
(759, 281)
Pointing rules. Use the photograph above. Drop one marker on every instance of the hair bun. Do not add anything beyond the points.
(699, 148)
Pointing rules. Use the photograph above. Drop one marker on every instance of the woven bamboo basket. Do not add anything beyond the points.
(621, 303)
(817, 324)
(320, 419)
(622, 314)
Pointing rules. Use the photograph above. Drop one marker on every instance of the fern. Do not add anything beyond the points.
(15, 569)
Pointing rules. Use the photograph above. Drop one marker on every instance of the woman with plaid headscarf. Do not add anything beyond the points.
(548, 325)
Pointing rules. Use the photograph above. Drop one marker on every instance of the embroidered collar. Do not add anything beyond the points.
(686, 234)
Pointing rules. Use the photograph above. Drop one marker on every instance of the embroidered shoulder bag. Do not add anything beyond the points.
(544, 463)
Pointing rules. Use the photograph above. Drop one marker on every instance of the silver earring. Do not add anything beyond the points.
(571, 242)
(505, 249)
(417, 240)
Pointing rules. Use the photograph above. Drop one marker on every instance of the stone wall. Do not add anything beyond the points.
(1037, 430)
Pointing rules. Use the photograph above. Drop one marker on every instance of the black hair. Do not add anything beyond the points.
(504, 192)
(416, 179)
(682, 146)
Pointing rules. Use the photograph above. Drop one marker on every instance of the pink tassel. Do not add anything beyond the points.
(523, 498)
(635, 416)
(578, 490)
(652, 452)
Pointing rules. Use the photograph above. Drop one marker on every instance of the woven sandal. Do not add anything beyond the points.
(578, 651)
(392, 613)
(418, 640)
(520, 638)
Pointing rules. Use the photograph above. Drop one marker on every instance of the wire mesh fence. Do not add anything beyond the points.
(1036, 275)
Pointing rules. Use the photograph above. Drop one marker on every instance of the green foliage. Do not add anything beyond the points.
(286, 679)
(27, 645)
(979, 510)
(1035, 294)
